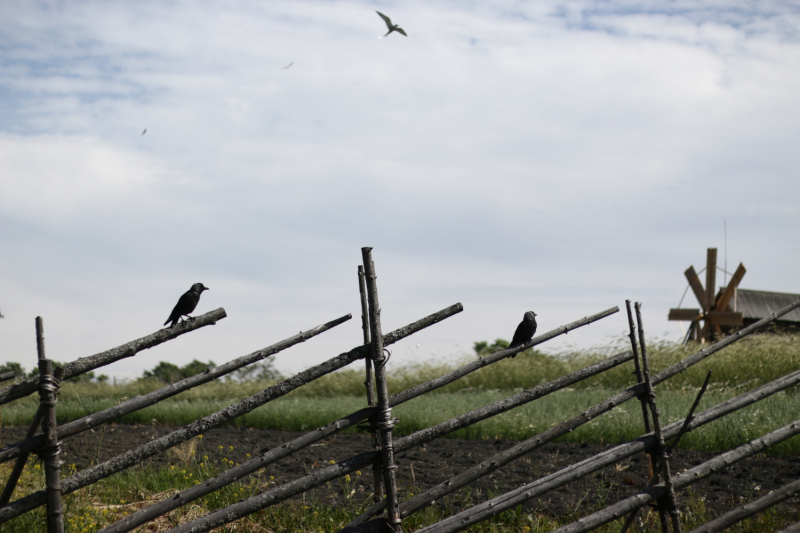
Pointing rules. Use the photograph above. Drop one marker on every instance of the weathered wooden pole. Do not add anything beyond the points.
(5, 376)
(85, 364)
(660, 447)
(690, 416)
(384, 420)
(638, 370)
(19, 466)
(377, 479)
(642, 401)
(48, 387)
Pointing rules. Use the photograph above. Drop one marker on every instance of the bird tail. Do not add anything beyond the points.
(171, 319)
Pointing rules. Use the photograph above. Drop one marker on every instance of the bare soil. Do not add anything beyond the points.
(422, 467)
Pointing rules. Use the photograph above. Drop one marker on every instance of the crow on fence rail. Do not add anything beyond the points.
(524, 331)
(186, 303)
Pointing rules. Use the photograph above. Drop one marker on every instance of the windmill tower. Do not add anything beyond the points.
(715, 309)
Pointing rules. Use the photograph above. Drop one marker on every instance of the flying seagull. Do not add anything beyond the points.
(145, 131)
(525, 330)
(186, 304)
(392, 27)
(287, 66)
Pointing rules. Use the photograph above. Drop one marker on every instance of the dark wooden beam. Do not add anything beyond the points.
(725, 298)
(684, 314)
(711, 276)
(697, 287)
(724, 318)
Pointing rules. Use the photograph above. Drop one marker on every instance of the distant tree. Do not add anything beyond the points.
(484, 348)
(169, 373)
(261, 370)
(163, 371)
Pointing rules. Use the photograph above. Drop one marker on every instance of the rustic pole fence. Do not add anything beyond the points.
(501, 406)
(629, 522)
(5, 376)
(136, 455)
(48, 388)
(383, 421)
(690, 416)
(494, 507)
(606, 458)
(498, 356)
(323, 475)
(670, 505)
(642, 402)
(255, 464)
(85, 364)
(140, 402)
(684, 479)
(22, 459)
(637, 368)
(377, 479)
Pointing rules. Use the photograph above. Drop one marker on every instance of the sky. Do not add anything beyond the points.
(553, 156)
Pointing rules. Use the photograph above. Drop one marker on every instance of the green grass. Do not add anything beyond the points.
(744, 365)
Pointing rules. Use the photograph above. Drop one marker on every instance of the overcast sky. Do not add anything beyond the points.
(553, 156)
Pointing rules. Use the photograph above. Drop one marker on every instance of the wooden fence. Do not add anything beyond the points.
(380, 422)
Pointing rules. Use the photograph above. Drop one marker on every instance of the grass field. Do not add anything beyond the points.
(751, 362)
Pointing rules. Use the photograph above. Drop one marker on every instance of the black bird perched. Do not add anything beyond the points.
(186, 303)
(392, 27)
(525, 330)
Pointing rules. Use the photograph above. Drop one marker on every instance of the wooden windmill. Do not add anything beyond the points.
(715, 309)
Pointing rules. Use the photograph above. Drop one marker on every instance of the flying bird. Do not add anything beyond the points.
(287, 66)
(145, 131)
(525, 330)
(392, 27)
(186, 304)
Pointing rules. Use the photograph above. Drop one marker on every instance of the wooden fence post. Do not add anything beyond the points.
(384, 418)
(660, 447)
(48, 386)
(377, 495)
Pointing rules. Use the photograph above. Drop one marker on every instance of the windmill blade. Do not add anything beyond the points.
(724, 318)
(697, 287)
(684, 315)
(711, 275)
(725, 298)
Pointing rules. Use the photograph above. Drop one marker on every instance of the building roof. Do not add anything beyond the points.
(760, 304)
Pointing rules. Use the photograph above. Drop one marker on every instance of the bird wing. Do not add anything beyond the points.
(518, 335)
(386, 19)
(401, 30)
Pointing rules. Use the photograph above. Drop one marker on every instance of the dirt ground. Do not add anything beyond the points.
(445, 457)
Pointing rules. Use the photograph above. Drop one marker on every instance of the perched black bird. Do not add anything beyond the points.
(392, 27)
(186, 304)
(525, 330)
